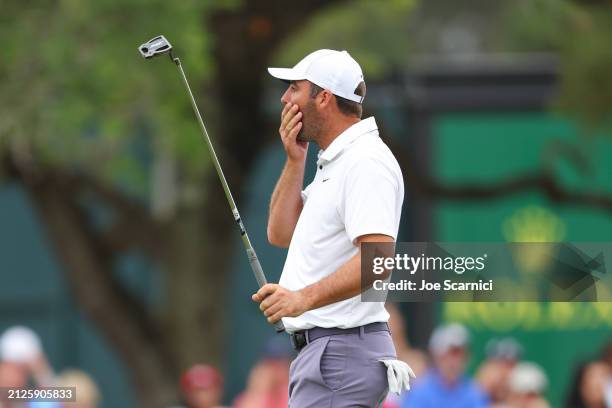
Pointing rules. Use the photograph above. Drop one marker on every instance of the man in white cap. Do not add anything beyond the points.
(355, 197)
(446, 384)
(21, 348)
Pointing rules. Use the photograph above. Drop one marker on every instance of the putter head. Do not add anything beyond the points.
(154, 47)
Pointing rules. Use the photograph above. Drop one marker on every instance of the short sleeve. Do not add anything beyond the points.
(305, 193)
(371, 199)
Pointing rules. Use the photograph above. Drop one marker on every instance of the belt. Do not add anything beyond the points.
(301, 338)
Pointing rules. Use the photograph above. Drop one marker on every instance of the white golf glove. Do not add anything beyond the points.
(398, 375)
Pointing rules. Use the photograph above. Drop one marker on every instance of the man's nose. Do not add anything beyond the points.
(285, 98)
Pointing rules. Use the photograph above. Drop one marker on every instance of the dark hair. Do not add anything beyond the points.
(345, 106)
(574, 396)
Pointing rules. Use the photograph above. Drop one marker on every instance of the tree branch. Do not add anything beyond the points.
(132, 226)
(88, 268)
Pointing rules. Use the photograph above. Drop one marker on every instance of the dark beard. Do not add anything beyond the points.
(311, 124)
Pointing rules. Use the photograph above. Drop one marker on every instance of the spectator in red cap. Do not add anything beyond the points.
(268, 382)
(202, 386)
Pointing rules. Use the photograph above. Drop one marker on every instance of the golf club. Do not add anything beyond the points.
(160, 46)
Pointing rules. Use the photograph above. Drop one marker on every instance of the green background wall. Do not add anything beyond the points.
(485, 147)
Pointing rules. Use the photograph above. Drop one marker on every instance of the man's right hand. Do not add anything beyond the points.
(286, 203)
(291, 124)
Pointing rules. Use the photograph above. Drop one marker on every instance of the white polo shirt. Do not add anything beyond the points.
(358, 189)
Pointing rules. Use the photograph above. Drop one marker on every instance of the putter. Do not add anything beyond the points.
(160, 46)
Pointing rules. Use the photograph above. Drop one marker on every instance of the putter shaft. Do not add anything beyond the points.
(253, 260)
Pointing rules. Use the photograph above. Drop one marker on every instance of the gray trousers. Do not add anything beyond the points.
(341, 371)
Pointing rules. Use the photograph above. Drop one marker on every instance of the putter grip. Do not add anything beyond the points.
(261, 280)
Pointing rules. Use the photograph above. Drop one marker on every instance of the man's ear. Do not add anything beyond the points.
(324, 99)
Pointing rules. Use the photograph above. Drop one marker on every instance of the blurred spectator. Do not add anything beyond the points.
(590, 386)
(13, 375)
(202, 387)
(574, 399)
(268, 382)
(606, 357)
(87, 392)
(446, 384)
(23, 364)
(606, 354)
(527, 383)
(494, 373)
(19, 345)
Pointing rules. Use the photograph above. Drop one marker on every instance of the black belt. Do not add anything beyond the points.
(301, 338)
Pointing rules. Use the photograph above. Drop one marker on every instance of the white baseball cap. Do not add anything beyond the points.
(448, 336)
(19, 344)
(527, 378)
(333, 70)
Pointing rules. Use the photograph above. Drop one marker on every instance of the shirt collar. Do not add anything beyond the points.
(346, 138)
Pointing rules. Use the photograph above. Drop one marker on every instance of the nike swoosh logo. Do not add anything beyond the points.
(324, 180)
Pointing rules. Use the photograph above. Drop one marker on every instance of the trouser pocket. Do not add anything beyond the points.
(333, 363)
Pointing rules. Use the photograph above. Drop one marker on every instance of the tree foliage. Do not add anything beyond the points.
(77, 94)
(376, 34)
(580, 33)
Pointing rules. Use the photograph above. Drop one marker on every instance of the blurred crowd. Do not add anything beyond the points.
(267, 384)
(24, 366)
(502, 380)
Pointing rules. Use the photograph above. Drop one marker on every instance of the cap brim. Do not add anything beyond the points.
(286, 74)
